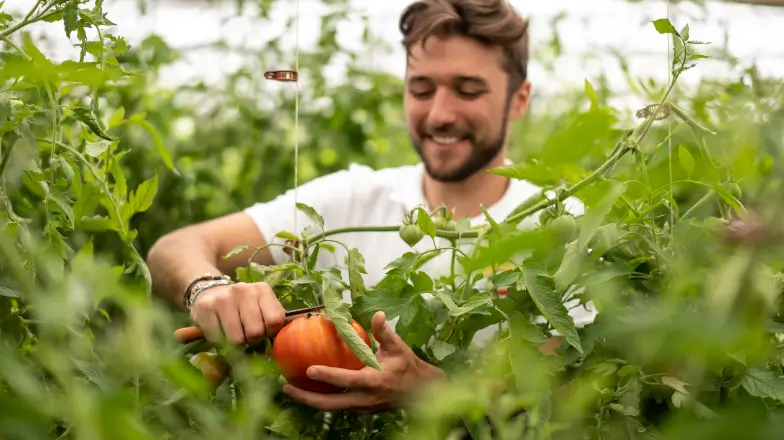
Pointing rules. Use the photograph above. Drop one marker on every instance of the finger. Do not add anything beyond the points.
(271, 309)
(343, 378)
(210, 325)
(250, 315)
(329, 402)
(229, 314)
(388, 340)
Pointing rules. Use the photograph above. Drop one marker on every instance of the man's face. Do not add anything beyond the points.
(458, 106)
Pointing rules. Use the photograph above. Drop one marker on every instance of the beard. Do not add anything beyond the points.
(482, 153)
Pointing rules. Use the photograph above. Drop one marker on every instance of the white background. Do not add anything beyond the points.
(591, 29)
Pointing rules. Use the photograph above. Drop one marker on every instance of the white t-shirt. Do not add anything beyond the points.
(362, 196)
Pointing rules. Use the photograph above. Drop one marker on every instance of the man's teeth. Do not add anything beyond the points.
(446, 140)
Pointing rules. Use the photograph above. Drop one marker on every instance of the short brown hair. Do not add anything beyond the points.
(491, 22)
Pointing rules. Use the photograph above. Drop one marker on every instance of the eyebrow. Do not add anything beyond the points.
(458, 79)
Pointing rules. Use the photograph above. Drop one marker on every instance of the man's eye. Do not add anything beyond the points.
(470, 93)
(420, 93)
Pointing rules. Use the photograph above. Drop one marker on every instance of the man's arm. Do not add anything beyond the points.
(181, 256)
(243, 313)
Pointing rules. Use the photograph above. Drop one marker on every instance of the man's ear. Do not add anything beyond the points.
(518, 104)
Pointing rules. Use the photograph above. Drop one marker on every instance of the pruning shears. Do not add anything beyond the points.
(194, 333)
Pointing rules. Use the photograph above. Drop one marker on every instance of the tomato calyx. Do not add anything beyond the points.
(551, 212)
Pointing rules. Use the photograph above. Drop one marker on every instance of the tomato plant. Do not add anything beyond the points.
(313, 340)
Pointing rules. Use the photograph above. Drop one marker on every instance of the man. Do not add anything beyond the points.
(465, 82)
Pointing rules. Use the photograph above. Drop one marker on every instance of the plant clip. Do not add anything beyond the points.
(661, 113)
(282, 75)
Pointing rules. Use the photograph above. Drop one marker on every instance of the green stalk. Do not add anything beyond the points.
(42, 16)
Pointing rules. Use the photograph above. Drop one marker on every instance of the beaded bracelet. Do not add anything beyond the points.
(216, 280)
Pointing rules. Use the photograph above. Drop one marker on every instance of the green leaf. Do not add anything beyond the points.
(521, 327)
(313, 257)
(312, 214)
(663, 26)
(596, 213)
(96, 149)
(87, 117)
(338, 311)
(236, 251)
(676, 384)
(139, 120)
(287, 235)
(493, 224)
(590, 92)
(685, 32)
(442, 349)
(356, 267)
(761, 382)
(117, 117)
(551, 306)
(472, 303)
(534, 172)
(570, 268)
(70, 17)
(142, 198)
(425, 223)
(5, 108)
(686, 159)
(416, 325)
(367, 305)
(64, 203)
(9, 287)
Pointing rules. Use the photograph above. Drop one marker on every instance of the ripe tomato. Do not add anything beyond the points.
(313, 340)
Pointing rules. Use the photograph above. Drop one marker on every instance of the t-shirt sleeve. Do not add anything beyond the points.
(328, 195)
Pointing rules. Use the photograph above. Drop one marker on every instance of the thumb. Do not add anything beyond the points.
(388, 340)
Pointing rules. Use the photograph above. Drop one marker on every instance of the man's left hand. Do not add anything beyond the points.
(369, 390)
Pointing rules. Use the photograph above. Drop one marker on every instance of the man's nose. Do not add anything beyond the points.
(442, 109)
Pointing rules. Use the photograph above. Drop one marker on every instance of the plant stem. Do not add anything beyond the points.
(43, 15)
(6, 158)
(699, 203)
(450, 235)
(571, 190)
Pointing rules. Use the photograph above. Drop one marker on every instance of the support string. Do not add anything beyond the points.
(296, 117)
(670, 60)
(292, 76)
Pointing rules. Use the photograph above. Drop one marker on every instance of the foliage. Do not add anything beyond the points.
(683, 266)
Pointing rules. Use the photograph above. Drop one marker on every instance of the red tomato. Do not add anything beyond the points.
(310, 341)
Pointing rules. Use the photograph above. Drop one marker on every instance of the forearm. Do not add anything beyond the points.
(175, 261)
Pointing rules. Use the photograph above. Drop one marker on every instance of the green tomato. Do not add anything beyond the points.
(411, 234)
(563, 226)
(444, 224)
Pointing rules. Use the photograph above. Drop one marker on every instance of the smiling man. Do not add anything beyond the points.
(465, 83)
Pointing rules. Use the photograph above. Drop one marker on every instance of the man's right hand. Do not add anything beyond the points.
(244, 312)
